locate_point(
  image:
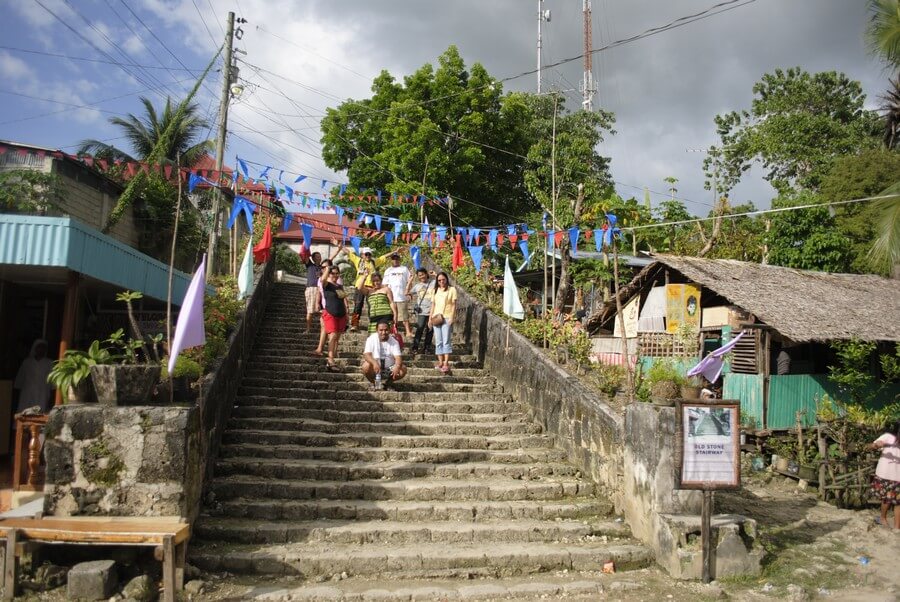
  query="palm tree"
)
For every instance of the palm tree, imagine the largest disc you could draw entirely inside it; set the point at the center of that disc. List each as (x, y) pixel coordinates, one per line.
(890, 108)
(883, 34)
(883, 37)
(143, 134)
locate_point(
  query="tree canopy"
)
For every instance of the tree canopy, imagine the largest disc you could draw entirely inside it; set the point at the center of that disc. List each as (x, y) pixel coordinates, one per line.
(797, 125)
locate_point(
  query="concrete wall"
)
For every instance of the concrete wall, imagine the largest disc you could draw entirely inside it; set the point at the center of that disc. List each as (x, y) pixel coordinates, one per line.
(584, 425)
(122, 461)
(88, 196)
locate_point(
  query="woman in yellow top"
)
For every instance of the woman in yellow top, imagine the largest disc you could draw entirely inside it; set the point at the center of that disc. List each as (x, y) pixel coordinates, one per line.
(365, 267)
(443, 308)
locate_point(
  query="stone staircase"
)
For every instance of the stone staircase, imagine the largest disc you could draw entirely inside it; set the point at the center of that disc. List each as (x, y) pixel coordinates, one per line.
(445, 478)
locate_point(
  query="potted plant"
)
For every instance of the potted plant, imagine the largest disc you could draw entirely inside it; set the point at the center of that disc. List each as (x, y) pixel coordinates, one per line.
(187, 371)
(131, 380)
(663, 382)
(70, 373)
(691, 388)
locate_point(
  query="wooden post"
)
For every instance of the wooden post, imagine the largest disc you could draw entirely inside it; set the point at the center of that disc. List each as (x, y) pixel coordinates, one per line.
(70, 309)
(823, 458)
(168, 563)
(705, 535)
(9, 568)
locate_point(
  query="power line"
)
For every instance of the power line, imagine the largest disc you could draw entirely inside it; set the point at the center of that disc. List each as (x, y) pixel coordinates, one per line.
(90, 60)
(205, 26)
(761, 212)
(313, 52)
(89, 105)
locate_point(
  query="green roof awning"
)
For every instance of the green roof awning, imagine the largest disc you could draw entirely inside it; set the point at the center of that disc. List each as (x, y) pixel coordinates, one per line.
(65, 243)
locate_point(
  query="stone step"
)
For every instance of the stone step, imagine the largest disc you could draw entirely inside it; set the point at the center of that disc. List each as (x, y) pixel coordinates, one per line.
(311, 560)
(489, 429)
(387, 532)
(340, 387)
(585, 508)
(387, 401)
(350, 371)
(301, 378)
(316, 439)
(350, 361)
(496, 489)
(324, 470)
(350, 416)
(432, 455)
(570, 585)
(292, 356)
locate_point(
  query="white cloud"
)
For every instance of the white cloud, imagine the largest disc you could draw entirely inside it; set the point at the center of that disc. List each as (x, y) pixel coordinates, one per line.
(14, 68)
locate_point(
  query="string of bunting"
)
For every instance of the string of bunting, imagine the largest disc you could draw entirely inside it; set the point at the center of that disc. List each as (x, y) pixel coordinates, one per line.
(244, 186)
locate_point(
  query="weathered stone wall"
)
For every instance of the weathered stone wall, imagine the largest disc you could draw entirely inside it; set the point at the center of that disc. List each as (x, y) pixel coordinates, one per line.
(649, 461)
(147, 460)
(584, 425)
(122, 461)
(219, 389)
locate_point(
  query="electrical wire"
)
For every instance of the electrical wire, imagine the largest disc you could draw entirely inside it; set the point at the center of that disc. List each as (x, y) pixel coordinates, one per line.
(90, 60)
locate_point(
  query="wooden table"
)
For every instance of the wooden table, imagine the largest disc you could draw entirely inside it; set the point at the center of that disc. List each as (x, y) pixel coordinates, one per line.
(168, 536)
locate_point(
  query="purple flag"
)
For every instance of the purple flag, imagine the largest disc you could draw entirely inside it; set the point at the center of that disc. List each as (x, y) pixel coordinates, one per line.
(190, 330)
(711, 366)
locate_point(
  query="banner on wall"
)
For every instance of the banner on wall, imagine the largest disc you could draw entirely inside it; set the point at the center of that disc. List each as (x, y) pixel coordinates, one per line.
(682, 306)
(630, 315)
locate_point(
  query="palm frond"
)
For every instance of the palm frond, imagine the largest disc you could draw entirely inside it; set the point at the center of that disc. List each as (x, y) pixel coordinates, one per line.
(883, 33)
(102, 150)
(885, 252)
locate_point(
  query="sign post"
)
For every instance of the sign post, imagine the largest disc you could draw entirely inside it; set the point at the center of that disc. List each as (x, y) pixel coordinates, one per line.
(709, 447)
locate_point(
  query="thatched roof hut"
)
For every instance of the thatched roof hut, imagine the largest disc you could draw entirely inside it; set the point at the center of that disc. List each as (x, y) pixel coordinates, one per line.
(802, 305)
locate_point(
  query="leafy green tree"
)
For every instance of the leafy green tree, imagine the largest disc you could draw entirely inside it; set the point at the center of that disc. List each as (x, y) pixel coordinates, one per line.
(806, 238)
(29, 191)
(861, 175)
(798, 123)
(890, 112)
(434, 134)
(144, 133)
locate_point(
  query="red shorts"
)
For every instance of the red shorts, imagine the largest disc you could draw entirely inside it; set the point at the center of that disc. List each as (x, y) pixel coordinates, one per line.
(334, 323)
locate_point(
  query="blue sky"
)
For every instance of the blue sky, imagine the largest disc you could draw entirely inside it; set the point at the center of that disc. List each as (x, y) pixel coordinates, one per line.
(665, 90)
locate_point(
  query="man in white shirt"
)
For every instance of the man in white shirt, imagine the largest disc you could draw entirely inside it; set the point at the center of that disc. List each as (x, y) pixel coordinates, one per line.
(382, 354)
(397, 278)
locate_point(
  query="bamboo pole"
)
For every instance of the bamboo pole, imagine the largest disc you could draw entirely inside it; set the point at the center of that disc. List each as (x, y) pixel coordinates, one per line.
(172, 273)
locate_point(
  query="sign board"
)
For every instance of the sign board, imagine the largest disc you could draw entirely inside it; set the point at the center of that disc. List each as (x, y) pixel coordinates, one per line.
(682, 306)
(630, 314)
(709, 439)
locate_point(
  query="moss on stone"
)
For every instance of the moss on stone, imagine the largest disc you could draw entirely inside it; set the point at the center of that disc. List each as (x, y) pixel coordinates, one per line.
(100, 465)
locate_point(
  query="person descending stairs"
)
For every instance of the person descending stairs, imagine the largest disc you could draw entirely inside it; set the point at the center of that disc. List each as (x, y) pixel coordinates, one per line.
(445, 478)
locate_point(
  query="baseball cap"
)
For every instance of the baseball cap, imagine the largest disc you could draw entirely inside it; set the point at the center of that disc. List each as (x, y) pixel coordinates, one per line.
(395, 256)
(365, 250)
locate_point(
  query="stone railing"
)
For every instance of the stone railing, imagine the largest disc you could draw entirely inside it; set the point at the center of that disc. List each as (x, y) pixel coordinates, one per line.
(631, 457)
(585, 426)
(219, 389)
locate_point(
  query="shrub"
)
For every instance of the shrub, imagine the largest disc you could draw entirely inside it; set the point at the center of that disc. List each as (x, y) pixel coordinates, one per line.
(287, 260)
(220, 313)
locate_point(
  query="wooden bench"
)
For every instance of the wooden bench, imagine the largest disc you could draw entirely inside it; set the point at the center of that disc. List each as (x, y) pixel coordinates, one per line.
(168, 536)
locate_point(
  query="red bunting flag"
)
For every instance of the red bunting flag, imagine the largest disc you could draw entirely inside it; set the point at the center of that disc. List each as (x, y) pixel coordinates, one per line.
(587, 234)
(500, 240)
(263, 248)
(512, 240)
(558, 237)
(458, 257)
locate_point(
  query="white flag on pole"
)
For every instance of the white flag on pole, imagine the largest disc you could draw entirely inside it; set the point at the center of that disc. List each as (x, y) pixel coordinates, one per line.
(512, 305)
(190, 330)
(245, 275)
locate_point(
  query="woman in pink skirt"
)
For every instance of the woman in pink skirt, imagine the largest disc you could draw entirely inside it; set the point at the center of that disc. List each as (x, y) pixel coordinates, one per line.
(886, 484)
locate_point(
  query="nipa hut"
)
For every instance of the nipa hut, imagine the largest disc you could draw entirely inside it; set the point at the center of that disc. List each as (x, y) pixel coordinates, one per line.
(680, 308)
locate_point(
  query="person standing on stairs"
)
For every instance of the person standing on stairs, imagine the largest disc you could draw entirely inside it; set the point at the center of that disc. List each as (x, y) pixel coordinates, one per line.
(380, 300)
(398, 278)
(421, 294)
(334, 315)
(443, 308)
(313, 273)
(365, 266)
(382, 356)
(326, 268)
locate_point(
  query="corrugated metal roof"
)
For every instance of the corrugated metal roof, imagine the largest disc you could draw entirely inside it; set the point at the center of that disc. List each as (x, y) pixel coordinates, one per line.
(66, 243)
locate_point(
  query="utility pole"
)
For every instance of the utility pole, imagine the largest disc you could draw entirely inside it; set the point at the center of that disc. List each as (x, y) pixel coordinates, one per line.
(587, 83)
(220, 143)
(543, 15)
